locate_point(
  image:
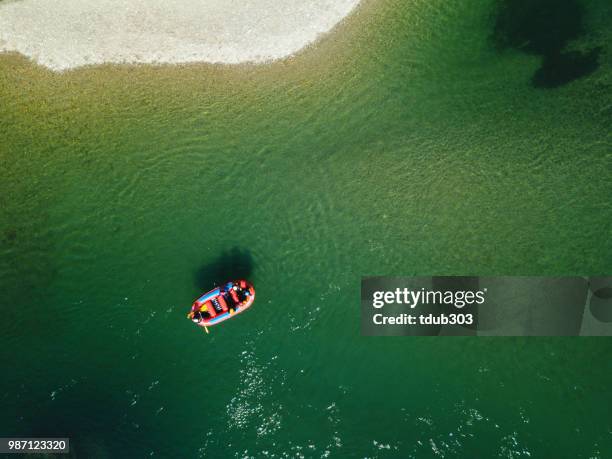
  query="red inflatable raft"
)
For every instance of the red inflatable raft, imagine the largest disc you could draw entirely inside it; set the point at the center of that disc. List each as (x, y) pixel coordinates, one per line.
(222, 303)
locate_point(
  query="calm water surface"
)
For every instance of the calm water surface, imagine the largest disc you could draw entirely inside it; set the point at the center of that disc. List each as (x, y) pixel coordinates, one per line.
(419, 138)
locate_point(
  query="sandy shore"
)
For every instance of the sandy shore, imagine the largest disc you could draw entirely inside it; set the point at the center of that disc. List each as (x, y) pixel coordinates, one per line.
(65, 34)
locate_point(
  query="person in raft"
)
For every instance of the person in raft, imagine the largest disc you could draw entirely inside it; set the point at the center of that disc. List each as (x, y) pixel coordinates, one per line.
(242, 293)
(196, 316)
(232, 296)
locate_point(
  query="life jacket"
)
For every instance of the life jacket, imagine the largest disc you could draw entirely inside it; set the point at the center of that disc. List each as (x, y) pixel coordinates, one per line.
(222, 302)
(210, 308)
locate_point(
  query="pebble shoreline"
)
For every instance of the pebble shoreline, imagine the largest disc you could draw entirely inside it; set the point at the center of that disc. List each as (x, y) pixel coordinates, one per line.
(65, 34)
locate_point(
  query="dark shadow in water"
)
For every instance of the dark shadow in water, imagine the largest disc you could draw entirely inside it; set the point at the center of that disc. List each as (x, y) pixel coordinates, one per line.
(544, 28)
(559, 69)
(236, 263)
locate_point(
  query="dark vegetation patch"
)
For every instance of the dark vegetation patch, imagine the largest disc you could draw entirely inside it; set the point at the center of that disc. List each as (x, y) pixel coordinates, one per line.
(545, 28)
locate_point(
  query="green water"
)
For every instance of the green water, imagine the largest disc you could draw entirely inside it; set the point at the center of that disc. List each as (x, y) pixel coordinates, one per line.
(404, 143)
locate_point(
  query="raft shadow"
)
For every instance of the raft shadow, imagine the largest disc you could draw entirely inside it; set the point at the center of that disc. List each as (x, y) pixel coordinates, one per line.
(545, 28)
(236, 263)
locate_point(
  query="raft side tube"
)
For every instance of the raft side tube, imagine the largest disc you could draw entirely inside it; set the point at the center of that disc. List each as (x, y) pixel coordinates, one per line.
(208, 296)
